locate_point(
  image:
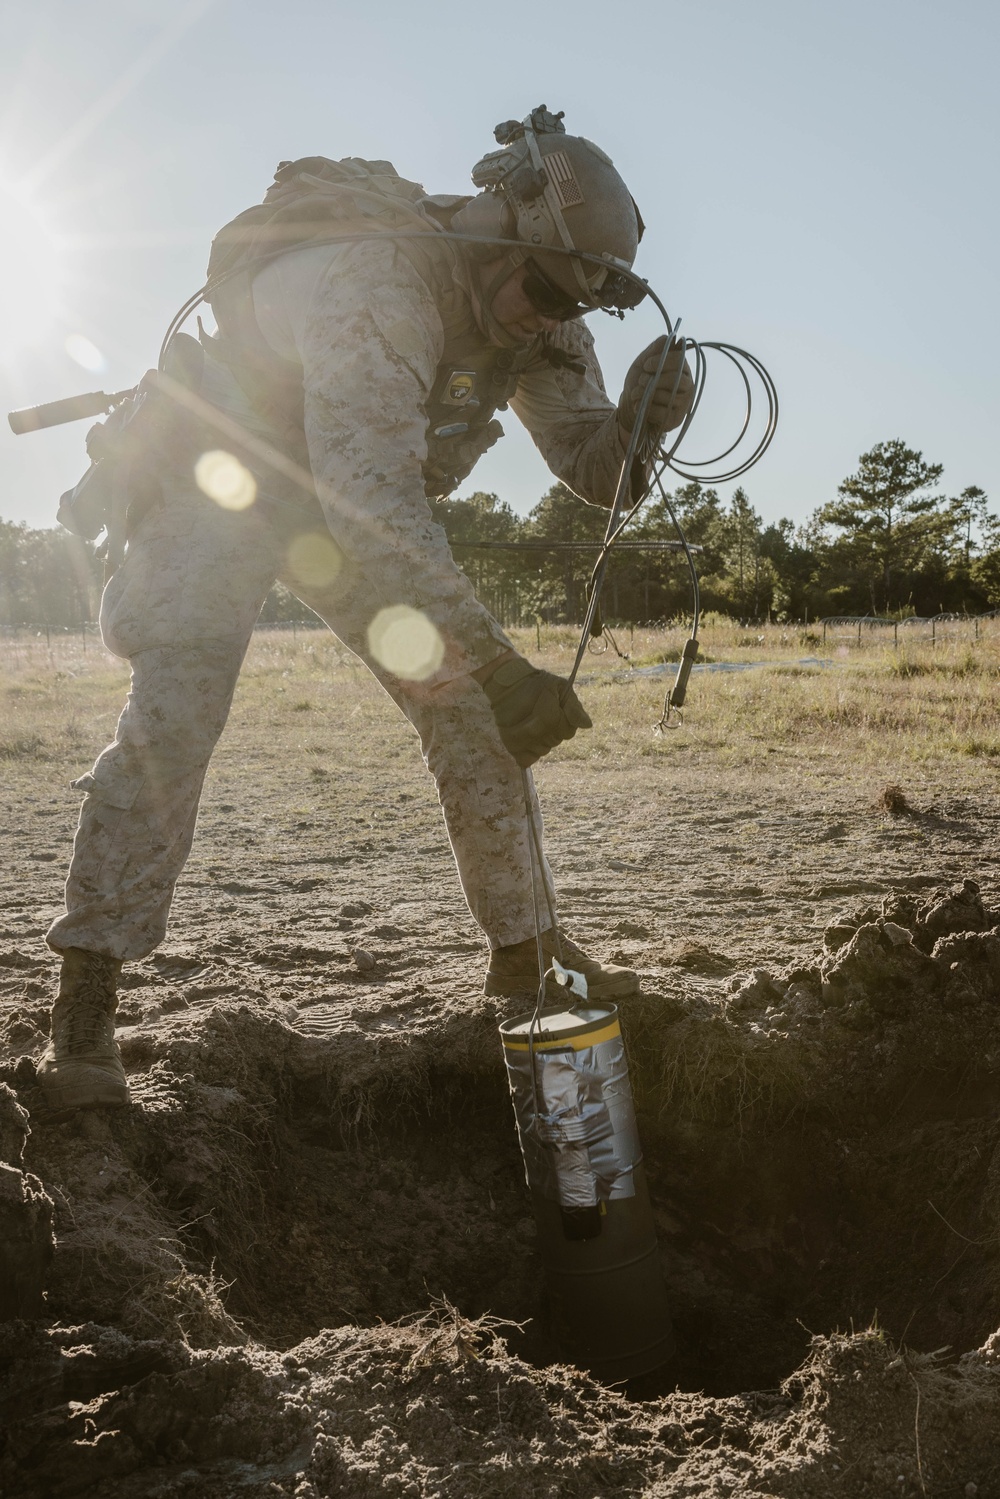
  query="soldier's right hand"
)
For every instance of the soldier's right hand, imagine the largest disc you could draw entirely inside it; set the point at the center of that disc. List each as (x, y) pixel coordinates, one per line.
(535, 710)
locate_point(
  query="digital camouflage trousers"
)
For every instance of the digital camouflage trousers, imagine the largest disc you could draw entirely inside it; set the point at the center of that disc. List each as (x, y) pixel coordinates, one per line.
(181, 609)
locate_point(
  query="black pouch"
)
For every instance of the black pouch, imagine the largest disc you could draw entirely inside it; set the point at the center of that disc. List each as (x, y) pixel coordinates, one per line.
(145, 430)
(88, 507)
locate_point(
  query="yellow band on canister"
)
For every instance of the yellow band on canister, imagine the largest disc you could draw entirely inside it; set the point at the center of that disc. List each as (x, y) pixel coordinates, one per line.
(579, 1042)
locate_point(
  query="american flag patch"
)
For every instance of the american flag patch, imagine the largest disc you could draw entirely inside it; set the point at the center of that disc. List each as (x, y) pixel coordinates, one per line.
(560, 174)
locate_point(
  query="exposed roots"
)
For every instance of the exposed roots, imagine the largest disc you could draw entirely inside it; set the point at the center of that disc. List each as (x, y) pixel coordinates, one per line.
(451, 1338)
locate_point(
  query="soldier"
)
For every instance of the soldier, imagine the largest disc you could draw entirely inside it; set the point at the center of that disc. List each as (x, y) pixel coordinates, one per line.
(353, 382)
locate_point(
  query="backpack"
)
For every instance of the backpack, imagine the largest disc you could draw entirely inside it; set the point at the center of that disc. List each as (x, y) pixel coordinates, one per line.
(311, 200)
(314, 197)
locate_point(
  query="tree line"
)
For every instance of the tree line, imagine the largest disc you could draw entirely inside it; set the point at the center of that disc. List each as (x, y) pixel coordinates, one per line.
(891, 543)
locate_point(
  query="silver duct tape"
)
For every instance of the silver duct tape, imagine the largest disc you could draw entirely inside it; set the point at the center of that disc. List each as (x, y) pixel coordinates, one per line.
(584, 1145)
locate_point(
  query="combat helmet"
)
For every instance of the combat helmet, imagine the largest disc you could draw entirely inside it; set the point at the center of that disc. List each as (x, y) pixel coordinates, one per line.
(545, 188)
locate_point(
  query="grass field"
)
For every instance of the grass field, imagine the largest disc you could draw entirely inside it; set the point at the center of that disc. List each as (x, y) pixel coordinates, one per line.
(732, 828)
(918, 703)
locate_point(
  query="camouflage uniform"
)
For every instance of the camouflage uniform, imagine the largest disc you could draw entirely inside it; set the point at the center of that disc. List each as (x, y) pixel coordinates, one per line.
(183, 604)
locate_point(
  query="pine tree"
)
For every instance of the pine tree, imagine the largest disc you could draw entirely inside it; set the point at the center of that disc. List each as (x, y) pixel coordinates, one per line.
(891, 525)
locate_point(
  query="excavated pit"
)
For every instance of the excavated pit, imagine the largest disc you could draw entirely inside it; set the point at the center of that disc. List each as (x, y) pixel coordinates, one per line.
(820, 1148)
(768, 1233)
(821, 1145)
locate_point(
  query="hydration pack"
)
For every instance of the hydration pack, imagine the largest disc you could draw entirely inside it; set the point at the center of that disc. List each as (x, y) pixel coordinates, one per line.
(313, 198)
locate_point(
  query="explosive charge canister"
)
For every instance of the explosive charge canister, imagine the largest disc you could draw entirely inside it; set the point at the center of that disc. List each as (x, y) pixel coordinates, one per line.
(575, 1117)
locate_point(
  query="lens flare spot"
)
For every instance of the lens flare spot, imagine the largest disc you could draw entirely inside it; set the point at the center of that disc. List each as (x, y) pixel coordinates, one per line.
(225, 480)
(314, 559)
(86, 354)
(406, 643)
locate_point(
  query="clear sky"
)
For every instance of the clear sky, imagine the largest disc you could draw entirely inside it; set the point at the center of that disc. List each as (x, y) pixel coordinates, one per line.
(819, 183)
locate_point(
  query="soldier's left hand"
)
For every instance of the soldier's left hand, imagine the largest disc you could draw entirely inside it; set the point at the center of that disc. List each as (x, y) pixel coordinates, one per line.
(672, 397)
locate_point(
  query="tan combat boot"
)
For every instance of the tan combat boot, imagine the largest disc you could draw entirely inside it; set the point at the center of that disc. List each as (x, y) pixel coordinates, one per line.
(81, 1067)
(514, 970)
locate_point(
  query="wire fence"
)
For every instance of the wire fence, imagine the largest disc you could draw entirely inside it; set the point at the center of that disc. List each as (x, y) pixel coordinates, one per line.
(871, 629)
(80, 646)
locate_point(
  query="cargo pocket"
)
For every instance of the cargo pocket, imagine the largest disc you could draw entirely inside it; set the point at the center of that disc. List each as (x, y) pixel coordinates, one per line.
(113, 780)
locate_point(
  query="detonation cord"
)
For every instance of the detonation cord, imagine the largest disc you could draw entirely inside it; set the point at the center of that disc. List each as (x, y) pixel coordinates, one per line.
(608, 643)
(535, 856)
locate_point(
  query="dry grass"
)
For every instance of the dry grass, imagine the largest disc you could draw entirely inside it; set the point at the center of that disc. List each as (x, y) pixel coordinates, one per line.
(877, 705)
(702, 1067)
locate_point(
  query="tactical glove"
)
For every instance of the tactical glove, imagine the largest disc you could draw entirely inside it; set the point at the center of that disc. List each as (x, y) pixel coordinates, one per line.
(535, 710)
(668, 408)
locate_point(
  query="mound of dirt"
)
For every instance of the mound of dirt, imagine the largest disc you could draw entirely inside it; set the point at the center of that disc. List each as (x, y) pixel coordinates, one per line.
(303, 1262)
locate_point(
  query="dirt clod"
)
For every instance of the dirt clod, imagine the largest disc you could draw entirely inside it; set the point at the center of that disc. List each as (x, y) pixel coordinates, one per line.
(892, 799)
(696, 957)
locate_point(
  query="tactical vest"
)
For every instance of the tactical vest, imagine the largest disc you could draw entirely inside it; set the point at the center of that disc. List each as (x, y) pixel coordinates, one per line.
(313, 199)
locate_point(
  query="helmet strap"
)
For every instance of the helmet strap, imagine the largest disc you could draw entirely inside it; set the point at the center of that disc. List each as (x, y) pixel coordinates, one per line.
(494, 331)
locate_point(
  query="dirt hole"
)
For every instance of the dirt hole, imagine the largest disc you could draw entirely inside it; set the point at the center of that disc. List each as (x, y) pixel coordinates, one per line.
(767, 1236)
(821, 1146)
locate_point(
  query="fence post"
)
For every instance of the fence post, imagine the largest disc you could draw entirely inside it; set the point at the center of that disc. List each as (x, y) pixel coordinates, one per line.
(933, 631)
(859, 632)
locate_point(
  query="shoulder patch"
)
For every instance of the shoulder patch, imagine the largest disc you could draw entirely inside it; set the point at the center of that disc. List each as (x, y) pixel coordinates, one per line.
(459, 387)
